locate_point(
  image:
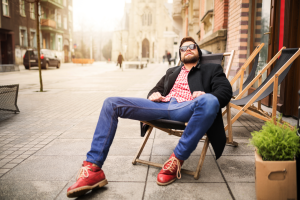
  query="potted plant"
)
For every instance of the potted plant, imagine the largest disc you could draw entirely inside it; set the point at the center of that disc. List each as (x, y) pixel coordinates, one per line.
(276, 145)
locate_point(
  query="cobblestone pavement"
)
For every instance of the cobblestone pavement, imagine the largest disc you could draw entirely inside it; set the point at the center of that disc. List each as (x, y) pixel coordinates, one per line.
(42, 147)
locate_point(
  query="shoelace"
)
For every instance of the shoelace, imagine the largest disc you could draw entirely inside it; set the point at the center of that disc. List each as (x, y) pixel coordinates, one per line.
(173, 165)
(83, 172)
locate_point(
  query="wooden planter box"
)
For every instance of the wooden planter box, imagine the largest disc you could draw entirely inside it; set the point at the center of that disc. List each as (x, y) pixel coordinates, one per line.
(275, 179)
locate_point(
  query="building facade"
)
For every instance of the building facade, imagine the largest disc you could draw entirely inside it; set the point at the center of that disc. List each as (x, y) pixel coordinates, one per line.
(144, 32)
(241, 25)
(18, 29)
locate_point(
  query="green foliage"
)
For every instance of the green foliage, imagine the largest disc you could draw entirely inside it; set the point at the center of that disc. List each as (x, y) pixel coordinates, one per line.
(276, 142)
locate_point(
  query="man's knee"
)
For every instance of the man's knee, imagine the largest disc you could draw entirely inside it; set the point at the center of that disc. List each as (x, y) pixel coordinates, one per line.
(110, 102)
(210, 103)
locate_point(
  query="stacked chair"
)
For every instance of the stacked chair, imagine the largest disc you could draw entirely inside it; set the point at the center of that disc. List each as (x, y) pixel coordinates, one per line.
(241, 72)
(285, 58)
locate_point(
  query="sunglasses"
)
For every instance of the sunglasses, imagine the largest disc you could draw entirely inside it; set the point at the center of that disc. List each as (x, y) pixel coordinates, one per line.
(191, 46)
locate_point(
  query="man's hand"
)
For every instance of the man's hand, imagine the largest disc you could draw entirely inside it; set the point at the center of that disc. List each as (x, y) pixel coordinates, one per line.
(197, 94)
(156, 96)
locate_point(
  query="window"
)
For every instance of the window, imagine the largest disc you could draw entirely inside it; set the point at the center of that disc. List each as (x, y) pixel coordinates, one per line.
(59, 20)
(147, 19)
(22, 8)
(23, 37)
(32, 12)
(5, 7)
(59, 43)
(65, 23)
(70, 16)
(33, 39)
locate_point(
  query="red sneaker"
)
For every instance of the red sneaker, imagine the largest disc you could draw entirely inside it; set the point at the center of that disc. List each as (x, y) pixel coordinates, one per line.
(88, 178)
(170, 171)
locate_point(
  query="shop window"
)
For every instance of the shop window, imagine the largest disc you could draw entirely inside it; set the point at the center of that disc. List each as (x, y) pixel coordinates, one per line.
(22, 8)
(5, 7)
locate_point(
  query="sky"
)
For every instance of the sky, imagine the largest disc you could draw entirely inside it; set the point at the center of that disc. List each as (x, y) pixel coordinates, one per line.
(94, 15)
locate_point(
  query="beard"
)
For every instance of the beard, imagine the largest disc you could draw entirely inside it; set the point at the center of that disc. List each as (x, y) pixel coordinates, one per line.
(191, 59)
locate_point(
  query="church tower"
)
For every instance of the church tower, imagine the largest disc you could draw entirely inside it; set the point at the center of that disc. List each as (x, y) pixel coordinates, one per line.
(147, 22)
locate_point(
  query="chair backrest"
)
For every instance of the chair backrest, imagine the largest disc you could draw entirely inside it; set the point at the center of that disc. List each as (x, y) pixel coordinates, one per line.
(285, 56)
(251, 75)
(212, 58)
(216, 58)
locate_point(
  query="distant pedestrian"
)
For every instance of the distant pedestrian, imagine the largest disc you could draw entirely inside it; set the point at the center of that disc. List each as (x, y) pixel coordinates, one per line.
(169, 57)
(164, 58)
(120, 60)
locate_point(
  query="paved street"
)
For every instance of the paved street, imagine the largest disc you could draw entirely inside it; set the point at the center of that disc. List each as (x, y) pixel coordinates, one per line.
(42, 147)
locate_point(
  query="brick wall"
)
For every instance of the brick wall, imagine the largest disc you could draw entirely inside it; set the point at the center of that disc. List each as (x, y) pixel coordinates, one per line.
(221, 15)
(237, 32)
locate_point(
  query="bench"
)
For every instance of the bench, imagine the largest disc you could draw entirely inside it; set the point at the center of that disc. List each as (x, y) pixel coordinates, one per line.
(83, 61)
(138, 64)
(8, 98)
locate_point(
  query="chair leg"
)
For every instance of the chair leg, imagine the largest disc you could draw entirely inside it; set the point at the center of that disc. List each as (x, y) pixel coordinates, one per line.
(201, 160)
(143, 145)
(224, 112)
(230, 137)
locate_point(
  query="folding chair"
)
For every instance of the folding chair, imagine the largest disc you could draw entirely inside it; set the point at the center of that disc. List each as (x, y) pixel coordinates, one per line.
(176, 128)
(271, 83)
(254, 55)
(241, 72)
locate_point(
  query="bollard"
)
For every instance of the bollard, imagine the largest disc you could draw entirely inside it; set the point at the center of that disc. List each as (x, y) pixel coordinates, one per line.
(298, 157)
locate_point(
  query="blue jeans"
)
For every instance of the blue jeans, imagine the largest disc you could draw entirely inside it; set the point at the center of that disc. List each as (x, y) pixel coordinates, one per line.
(200, 114)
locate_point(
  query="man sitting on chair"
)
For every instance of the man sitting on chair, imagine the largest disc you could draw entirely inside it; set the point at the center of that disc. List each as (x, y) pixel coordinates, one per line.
(190, 93)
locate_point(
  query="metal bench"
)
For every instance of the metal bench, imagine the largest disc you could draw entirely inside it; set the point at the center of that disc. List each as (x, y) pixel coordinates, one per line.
(8, 98)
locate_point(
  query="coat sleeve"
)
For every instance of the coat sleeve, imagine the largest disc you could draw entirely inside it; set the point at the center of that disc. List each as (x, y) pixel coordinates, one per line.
(221, 87)
(159, 87)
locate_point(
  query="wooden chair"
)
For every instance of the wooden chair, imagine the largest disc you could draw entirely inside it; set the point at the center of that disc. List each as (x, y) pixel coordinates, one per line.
(176, 128)
(254, 56)
(271, 83)
(241, 72)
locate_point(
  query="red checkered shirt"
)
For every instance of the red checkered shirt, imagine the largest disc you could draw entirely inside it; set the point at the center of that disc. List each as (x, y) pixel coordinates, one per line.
(181, 90)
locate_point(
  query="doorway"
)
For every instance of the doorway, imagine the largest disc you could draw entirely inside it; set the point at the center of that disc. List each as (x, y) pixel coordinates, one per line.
(145, 48)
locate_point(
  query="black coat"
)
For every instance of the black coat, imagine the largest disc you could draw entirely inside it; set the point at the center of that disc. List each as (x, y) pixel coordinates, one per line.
(209, 78)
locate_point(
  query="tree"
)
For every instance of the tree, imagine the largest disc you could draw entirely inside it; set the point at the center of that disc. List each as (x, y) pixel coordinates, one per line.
(37, 18)
(106, 50)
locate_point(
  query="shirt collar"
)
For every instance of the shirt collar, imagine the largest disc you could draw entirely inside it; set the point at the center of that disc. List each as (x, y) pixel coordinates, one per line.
(183, 68)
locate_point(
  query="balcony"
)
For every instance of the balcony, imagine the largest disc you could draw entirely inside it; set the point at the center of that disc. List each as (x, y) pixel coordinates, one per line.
(49, 25)
(55, 4)
(177, 10)
(48, 22)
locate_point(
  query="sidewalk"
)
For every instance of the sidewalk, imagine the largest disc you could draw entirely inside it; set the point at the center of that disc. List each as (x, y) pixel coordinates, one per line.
(42, 147)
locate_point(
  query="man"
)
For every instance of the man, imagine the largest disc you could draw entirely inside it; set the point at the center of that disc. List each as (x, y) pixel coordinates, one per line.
(190, 93)
(169, 57)
(120, 60)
